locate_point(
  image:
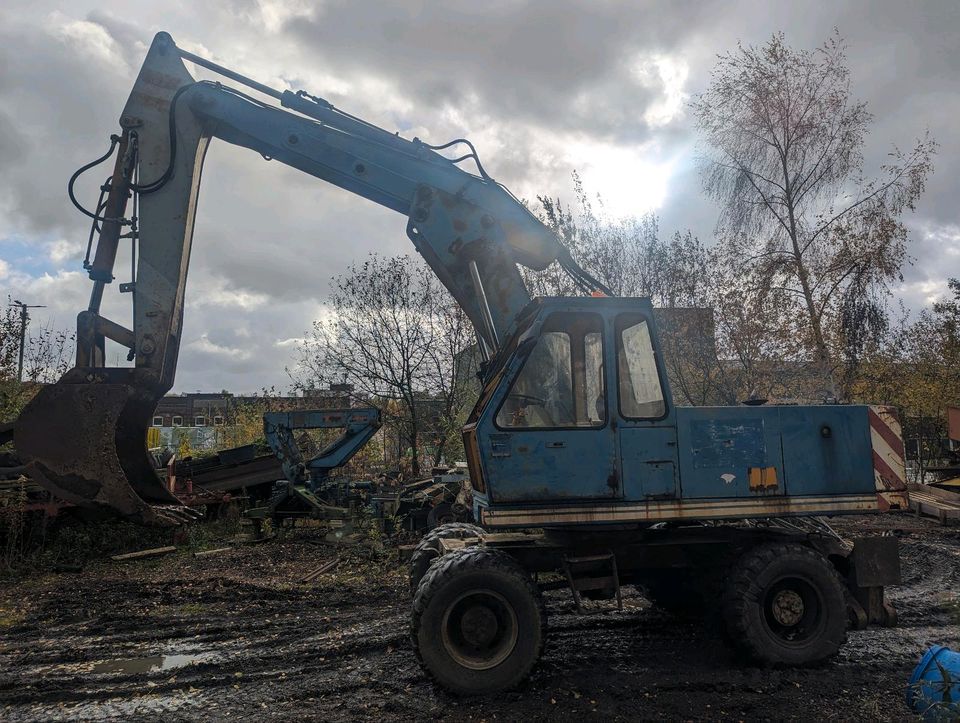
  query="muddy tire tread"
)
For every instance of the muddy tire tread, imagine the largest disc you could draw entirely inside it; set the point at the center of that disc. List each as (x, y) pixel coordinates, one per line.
(427, 550)
(740, 588)
(470, 560)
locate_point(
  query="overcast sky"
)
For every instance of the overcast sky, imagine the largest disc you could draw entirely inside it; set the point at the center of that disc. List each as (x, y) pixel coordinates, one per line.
(542, 88)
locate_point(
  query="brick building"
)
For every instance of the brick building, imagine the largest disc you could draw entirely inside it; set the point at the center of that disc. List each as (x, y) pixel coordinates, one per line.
(199, 416)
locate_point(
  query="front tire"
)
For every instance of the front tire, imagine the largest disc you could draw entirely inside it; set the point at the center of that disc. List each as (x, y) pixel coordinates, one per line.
(428, 549)
(784, 604)
(478, 623)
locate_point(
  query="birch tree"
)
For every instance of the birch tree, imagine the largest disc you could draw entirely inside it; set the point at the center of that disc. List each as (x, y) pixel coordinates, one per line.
(782, 154)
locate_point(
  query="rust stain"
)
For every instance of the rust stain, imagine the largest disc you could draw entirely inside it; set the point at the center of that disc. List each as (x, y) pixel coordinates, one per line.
(161, 80)
(152, 101)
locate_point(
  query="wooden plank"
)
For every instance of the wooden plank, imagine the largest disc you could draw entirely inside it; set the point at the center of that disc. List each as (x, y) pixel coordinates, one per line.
(208, 553)
(934, 500)
(932, 507)
(153, 552)
(952, 498)
(325, 567)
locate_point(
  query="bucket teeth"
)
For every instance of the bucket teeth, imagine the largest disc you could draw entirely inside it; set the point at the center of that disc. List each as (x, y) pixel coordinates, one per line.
(176, 514)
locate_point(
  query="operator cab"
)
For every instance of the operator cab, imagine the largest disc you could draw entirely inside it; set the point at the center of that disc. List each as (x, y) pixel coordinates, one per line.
(549, 425)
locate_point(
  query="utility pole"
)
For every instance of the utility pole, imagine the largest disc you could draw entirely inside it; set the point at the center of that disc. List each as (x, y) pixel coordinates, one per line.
(24, 317)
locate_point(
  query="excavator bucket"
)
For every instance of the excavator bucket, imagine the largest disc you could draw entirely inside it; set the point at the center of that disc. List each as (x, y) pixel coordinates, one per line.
(86, 443)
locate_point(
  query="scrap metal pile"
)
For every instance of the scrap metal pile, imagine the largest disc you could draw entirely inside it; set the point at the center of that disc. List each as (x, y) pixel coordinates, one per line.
(290, 482)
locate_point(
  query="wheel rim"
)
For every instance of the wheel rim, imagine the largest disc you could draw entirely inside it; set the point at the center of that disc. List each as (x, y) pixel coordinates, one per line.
(479, 629)
(793, 611)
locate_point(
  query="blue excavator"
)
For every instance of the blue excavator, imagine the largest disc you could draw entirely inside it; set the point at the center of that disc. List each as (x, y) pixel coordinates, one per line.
(584, 472)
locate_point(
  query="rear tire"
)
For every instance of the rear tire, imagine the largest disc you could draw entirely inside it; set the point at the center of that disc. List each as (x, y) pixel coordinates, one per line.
(428, 549)
(478, 624)
(785, 604)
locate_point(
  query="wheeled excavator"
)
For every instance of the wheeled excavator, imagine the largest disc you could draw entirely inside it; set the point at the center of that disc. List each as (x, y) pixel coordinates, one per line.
(585, 474)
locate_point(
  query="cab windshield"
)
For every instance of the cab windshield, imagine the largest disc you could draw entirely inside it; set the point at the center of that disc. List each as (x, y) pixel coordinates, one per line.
(561, 383)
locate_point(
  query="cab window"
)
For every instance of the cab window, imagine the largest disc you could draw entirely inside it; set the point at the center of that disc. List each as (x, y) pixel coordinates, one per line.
(641, 395)
(561, 383)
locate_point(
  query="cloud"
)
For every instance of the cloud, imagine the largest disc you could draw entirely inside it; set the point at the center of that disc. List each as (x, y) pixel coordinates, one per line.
(89, 40)
(227, 354)
(62, 250)
(540, 88)
(562, 64)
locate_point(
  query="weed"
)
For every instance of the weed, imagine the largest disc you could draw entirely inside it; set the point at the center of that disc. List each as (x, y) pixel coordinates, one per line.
(10, 617)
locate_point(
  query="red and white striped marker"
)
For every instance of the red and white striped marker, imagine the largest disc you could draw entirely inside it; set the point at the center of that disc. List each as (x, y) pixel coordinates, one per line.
(889, 460)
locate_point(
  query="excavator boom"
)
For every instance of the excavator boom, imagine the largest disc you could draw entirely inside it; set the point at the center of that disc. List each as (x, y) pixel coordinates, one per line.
(84, 437)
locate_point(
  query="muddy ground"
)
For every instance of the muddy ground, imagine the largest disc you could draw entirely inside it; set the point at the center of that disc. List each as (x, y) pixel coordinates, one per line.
(236, 636)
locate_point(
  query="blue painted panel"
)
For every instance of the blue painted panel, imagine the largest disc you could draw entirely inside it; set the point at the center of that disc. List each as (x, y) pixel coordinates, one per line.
(827, 450)
(648, 460)
(724, 443)
(718, 446)
(714, 449)
(560, 464)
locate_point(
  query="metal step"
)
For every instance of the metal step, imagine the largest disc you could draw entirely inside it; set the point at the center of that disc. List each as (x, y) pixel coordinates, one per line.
(587, 573)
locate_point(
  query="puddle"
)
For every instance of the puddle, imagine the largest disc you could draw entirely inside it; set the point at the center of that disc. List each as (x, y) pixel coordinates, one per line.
(135, 666)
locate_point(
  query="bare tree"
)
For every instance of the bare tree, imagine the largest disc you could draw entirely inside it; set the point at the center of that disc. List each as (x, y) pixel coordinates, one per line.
(679, 275)
(48, 354)
(915, 368)
(396, 336)
(451, 372)
(782, 154)
(624, 253)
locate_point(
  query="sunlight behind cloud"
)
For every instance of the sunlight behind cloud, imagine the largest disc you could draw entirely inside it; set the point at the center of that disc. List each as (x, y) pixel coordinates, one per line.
(671, 74)
(628, 182)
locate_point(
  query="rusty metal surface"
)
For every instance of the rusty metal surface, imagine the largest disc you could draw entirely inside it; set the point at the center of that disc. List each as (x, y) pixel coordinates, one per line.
(85, 442)
(953, 423)
(876, 561)
(234, 476)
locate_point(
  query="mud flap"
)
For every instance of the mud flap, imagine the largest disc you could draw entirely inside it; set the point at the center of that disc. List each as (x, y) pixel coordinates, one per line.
(874, 563)
(85, 442)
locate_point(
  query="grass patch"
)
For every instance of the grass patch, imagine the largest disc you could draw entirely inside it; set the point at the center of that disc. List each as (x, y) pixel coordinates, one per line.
(190, 609)
(34, 546)
(11, 617)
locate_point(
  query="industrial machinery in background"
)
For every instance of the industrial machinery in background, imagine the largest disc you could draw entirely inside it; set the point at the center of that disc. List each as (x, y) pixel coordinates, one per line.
(295, 481)
(575, 434)
(306, 490)
(947, 476)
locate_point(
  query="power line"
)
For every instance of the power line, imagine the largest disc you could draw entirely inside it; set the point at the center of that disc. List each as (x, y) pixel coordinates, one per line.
(24, 318)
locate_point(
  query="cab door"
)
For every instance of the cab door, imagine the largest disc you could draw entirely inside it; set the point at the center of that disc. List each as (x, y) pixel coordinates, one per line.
(551, 437)
(647, 430)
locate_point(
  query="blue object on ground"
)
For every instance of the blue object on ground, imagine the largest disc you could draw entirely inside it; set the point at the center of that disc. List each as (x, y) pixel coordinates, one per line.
(934, 689)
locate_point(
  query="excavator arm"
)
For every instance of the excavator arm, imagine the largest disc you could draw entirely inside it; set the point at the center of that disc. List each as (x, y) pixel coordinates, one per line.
(84, 437)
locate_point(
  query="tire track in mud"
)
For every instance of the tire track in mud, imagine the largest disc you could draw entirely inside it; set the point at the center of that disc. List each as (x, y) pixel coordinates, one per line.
(338, 650)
